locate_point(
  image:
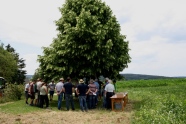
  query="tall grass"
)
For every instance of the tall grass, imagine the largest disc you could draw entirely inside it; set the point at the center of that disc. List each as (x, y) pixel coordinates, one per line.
(157, 101)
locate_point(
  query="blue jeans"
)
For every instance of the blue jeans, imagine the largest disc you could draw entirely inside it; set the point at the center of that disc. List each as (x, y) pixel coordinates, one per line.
(92, 101)
(60, 97)
(104, 102)
(69, 100)
(96, 99)
(83, 103)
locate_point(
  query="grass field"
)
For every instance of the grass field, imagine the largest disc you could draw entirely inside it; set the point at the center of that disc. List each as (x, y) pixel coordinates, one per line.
(157, 101)
(150, 102)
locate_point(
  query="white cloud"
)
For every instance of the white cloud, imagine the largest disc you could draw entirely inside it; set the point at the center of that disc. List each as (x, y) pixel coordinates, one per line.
(155, 31)
(30, 22)
(31, 63)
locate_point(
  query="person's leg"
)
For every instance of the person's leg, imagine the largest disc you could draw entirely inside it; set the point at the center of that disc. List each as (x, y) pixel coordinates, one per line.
(93, 101)
(59, 101)
(81, 103)
(90, 101)
(64, 96)
(41, 101)
(67, 98)
(38, 101)
(84, 103)
(72, 102)
(108, 100)
(46, 100)
(26, 97)
(52, 95)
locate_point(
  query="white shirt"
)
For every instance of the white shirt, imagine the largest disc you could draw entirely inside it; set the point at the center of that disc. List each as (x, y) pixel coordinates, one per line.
(39, 85)
(59, 86)
(43, 90)
(52, 86)
(27, 86)
(109, 87)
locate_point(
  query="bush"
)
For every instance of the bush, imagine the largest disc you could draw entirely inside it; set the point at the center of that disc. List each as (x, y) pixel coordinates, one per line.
(13, 91)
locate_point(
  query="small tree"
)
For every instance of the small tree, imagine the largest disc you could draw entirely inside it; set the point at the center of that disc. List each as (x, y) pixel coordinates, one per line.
(88, 43)
(8, 65)
(19, 75)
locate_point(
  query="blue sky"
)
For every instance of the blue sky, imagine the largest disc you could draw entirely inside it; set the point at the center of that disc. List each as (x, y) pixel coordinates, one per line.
(155, 29)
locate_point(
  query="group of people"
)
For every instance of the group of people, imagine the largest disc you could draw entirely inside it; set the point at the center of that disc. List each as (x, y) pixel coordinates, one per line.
(88, 93)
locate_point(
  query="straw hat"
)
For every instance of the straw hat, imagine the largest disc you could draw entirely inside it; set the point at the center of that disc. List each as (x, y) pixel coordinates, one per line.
(81, 81)
(61, 79)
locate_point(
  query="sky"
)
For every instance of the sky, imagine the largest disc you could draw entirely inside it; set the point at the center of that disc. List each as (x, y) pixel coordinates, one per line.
(155, 30)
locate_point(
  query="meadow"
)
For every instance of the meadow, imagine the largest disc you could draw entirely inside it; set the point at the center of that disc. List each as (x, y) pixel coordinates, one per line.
(157, 101)
(150, 102)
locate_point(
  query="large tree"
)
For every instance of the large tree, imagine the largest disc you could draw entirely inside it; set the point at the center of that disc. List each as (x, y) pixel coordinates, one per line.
(88, 43)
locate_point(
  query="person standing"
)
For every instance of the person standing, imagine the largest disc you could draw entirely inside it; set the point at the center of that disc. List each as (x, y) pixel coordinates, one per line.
(97, 93)
(32, 93)
(82, 91)
(59, 90)
(69, 89)
(100, 90)
(103, 92)
(92, 94)
(44, 95)
(109, 92)
(26, 92)
(52, 89)
(39, 83)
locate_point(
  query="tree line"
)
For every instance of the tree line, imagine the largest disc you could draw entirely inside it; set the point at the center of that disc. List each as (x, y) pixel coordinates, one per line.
(11, 65)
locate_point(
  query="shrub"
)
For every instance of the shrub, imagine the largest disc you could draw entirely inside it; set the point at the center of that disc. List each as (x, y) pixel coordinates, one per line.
(13, 91)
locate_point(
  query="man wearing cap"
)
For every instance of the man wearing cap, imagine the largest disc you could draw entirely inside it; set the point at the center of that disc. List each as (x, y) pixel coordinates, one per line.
(59, 90)
(69, 89)
(82, 91)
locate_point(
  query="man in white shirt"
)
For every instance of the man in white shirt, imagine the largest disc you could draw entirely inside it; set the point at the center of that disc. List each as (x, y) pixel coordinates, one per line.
(59, 90)
(26, 92)
(109, 92)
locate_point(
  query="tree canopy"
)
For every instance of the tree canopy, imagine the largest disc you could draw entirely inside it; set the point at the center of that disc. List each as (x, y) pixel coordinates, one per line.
(19, 75)
(88, 42)
(11, 65)
(7, 64)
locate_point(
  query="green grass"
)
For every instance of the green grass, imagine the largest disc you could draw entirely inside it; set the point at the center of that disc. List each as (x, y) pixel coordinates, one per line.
(19, 107)
(157, 101)
(154, 101)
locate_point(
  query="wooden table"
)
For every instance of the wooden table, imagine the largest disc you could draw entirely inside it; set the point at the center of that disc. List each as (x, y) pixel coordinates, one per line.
(121, 98)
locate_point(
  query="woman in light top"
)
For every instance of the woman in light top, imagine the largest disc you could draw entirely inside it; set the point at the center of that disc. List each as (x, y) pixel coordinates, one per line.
(44, 95)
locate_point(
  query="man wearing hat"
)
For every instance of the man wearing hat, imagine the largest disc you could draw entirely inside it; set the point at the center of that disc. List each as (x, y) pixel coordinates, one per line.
(82, 91)
(59, 91)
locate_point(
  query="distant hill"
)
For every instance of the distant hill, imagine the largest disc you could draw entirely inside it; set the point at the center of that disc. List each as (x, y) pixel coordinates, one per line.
(132, 77)
(29, 76)
(142, 76)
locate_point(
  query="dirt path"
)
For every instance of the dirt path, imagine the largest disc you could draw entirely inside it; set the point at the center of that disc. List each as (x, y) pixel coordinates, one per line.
(69, 117)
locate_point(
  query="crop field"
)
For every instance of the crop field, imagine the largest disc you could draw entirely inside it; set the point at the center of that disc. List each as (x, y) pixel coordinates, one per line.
(157, 101)
(150, 102)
